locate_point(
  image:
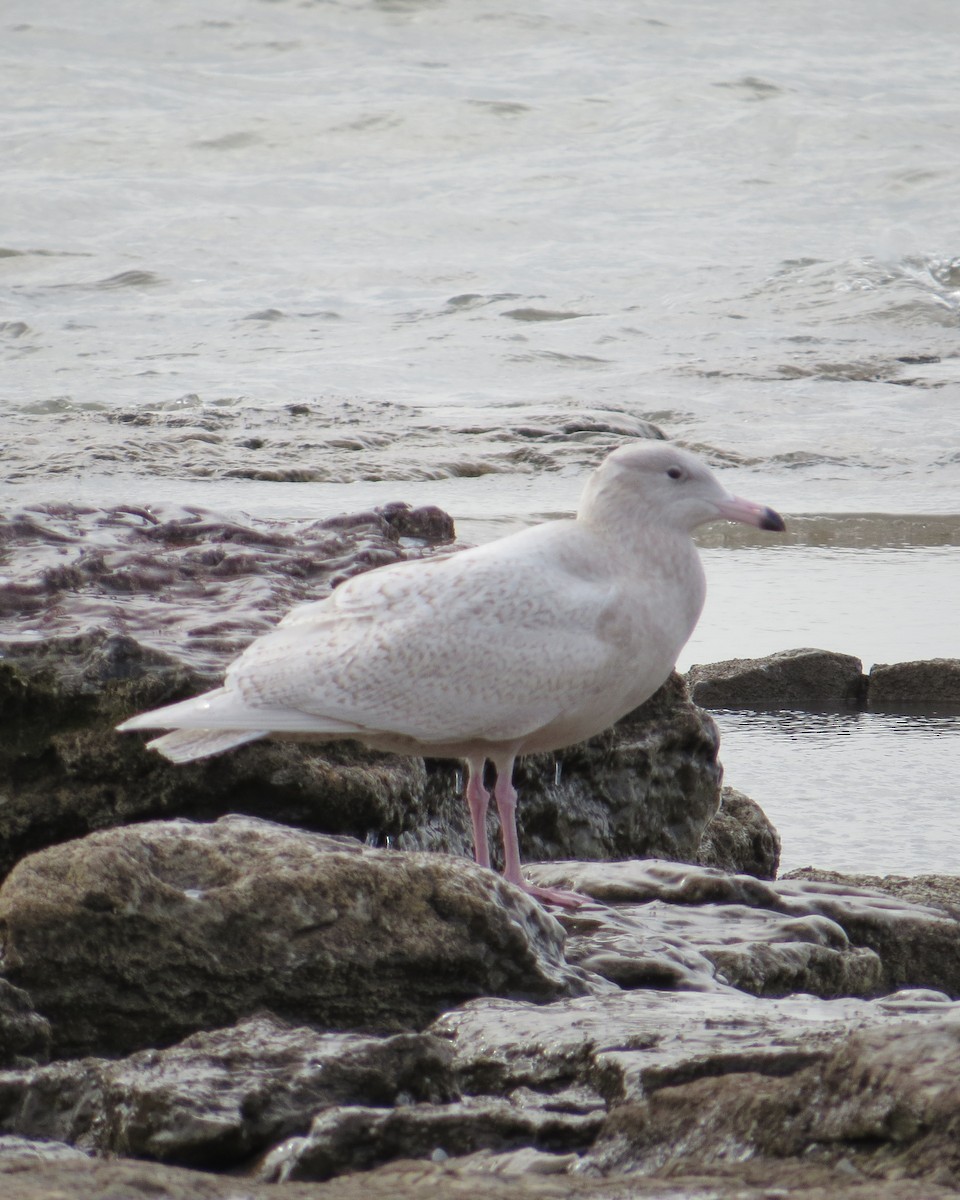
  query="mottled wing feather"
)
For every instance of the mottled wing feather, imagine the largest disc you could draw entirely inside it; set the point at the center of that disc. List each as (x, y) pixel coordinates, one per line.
(437, 651)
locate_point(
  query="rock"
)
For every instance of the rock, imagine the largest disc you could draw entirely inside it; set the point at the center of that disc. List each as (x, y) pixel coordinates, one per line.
(930, 891)
(918, 944)
(826, 938)
(885, 1103)
(740, 839)
(112, 611)
(931, 686)
(624, 1046)
(65, 772)
(458, 1179)
(790, 679)
(24, 1034)
(22, 1153)
(736, 940)
(185, 581)
(556, 1068)
(357, 1138)
(912, 922)
(218, 1098)
(639, 946)
(36, 1177)
(136, 937)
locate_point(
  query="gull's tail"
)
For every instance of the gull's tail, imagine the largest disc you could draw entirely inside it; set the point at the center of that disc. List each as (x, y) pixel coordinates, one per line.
(184, 745)
(220, 720)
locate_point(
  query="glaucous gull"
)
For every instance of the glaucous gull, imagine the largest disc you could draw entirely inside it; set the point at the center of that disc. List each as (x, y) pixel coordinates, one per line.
(526, 644)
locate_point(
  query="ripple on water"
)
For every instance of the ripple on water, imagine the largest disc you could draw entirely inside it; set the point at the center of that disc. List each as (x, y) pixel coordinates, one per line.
(852, 792)
(912, 290)
(189, 438)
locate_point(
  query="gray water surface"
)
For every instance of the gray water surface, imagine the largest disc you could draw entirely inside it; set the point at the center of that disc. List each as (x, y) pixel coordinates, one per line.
(859, 792)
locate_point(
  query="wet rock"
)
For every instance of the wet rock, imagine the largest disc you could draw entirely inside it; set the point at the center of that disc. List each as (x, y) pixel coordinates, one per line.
(790, 679)
(930, 686)
(740, 839)
(759, 952)
(65, 772)
(624, 1046)
(22, 1153)
(912, 923)
(476, 1177)
(639, 946)
(884, 1103)
(470, 1178)
(826, 938)
(24, 1034)
(666, 942)
(555, 1067)
(136, 937)
(188, 582)
(218, 1098)
(358, 1138)
(930, 891)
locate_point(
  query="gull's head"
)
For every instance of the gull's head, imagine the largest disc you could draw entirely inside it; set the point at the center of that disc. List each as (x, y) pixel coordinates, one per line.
(662, 485)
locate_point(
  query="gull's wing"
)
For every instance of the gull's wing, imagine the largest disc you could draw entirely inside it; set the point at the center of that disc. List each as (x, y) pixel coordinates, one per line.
(489, 643)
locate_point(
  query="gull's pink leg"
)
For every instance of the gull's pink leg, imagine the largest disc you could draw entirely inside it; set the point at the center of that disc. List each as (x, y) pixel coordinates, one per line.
(478, 798)
(505, 795)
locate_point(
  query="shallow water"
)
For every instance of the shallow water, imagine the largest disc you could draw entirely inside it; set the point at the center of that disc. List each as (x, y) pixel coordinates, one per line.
(291, 259)
(873, 792)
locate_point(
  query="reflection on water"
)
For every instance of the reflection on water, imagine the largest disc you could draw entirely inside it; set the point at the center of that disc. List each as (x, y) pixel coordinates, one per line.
(862, 792)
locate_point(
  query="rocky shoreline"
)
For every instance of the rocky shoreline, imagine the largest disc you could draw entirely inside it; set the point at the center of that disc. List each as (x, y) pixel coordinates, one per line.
(276, 974)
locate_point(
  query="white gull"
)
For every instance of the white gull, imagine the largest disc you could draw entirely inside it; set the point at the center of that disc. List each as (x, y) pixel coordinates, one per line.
(526, 644)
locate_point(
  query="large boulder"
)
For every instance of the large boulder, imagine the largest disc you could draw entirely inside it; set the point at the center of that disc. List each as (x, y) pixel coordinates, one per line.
(65, 771)
(929, 686)
(138, 936)
(789, 679)
(885, 1103)
(218, 1098)
(740, 838)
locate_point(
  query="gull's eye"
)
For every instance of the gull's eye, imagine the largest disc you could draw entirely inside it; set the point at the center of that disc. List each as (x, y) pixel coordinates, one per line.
(675, 472)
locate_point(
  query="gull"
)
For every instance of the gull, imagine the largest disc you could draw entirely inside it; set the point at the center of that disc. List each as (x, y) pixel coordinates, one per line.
(523, 645)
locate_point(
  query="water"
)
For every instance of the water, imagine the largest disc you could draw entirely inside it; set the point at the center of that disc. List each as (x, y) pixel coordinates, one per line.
(289, 259)
(847, 793)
